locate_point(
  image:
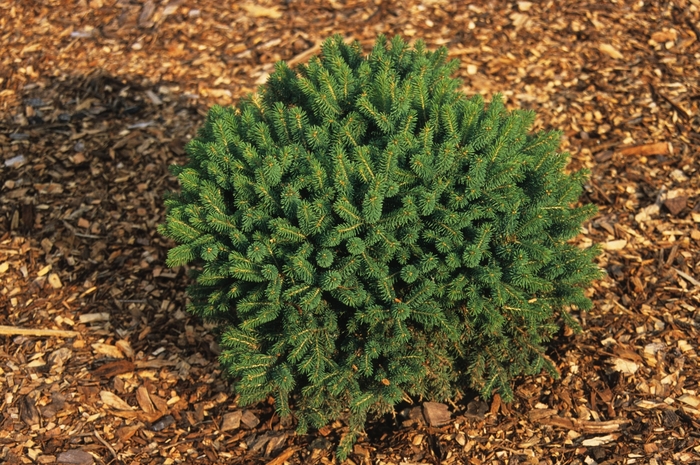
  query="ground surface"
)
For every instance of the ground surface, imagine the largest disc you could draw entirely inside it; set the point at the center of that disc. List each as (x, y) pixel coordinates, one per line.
(98, 97)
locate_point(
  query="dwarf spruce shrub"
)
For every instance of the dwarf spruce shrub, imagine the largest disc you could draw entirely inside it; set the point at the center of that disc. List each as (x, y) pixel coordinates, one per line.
(364, 233)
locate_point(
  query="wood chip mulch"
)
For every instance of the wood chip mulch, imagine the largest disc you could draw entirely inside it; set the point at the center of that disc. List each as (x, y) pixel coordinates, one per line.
(99, 363)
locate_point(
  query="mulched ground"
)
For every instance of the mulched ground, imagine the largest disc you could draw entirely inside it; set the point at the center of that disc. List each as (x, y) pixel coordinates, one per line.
(99, 363)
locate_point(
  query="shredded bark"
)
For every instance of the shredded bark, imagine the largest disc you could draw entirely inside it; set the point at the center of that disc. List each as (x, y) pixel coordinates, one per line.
(100, 363)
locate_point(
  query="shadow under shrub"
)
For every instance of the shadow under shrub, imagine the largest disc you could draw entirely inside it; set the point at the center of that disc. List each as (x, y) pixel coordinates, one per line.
(365, 233)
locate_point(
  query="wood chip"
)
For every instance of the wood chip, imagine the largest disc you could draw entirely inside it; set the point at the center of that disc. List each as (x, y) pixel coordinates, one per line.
(658, 148)
(283, 457)
(676, 204)
(417, 439)
(146, 13)
(44, 270)
(618, 244)
(664, 36)
(495, 404)
(28, 411)
(261, 11)
(114, 401)
(154, 97)
(687, 277)
(55, 281)
(94, 317)
(125, 348)
(436, 414)
(56, 405)
(249, 419)
(276, 442)
(611, 51)
(144, 400)
(159, 403)
(598, 441)
(108, 350)
(258, 442)
(650, 448)
(127, 432)
(624, 366)
(111, 369)
(75, 457)
(156, 363)
(60, 356)
(231, 421)
(537, 414)
(689, 399)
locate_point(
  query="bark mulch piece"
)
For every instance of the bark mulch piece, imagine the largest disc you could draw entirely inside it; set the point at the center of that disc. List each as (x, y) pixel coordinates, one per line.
(99, 363)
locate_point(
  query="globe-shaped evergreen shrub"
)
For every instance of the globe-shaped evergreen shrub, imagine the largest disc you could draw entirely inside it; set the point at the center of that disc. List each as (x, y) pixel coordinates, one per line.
(364, 233)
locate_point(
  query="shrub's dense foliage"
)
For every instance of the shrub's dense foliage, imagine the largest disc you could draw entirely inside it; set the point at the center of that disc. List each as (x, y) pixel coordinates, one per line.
(365, 233)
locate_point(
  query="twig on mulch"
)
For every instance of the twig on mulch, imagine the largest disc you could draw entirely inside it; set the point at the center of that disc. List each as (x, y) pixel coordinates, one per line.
(38, 332)
(687, 277)
(282, 458)
(107, 445)
(655, 92)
